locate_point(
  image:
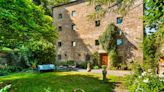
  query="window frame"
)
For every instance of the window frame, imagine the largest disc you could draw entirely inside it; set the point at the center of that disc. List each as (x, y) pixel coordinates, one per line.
(97, 23)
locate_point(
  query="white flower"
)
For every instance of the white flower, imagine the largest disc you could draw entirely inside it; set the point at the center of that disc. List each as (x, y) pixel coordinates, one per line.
(149, 70)
(139, 77)
(146, 80)
(161, 75)
(143, 74)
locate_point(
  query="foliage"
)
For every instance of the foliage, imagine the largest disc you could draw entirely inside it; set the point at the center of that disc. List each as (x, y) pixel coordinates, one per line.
(113, 58)
(95, 67)
(26, 31)
(154, 13)
(96, 59)
(150, 51)
(108, 38)
(146, 81)
(108, 41)
(48, 4)
(6, 88)
(119, 6)
(9, 69)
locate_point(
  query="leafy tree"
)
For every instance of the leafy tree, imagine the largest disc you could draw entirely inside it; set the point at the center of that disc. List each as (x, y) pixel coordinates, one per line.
(24, 27)
(108, 42)
(153, 18)
(47, 4)
(119, 6)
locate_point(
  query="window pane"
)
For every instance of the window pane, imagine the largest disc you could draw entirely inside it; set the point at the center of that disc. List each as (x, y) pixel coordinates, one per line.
(96, 42)
(119, 20)
(73, 43)
(119, 41)
(59, 44)
(74, 27)
(60, 16)
(73, 13)
(60, 28)
(97, 23)
(59, 57)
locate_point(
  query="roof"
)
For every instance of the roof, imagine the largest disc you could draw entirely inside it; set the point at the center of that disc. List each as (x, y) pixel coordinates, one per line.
(61, 4)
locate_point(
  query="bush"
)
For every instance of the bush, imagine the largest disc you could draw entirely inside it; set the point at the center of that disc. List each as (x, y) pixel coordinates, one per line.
(82, 65)
(71, 62)
(146, 81)
(96, 67)
(5, 88)
(9, 69)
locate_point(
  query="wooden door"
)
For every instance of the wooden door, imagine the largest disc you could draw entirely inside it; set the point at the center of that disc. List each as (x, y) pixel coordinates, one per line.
(104, 59)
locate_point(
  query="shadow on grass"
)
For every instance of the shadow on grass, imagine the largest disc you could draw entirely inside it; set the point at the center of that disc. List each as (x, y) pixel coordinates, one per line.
(60, 82)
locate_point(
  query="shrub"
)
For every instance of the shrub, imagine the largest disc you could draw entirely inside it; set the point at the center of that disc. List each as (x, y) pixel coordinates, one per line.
(71, 62)
(96, 67)
(146, 81)
(5, 88)
(82, 65)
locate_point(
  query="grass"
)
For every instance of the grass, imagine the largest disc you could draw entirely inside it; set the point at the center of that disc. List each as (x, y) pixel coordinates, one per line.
(59, 82)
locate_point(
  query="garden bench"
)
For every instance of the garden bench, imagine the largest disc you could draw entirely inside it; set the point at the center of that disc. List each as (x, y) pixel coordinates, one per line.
(46, 67)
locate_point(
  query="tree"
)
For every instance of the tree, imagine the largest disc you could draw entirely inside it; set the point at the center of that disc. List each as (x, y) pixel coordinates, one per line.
(119, 6)
(47, 4)
(153, 18)
(108, 42)
(24, 25)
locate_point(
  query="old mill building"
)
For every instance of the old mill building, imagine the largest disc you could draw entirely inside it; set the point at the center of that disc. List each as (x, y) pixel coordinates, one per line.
(78, 36)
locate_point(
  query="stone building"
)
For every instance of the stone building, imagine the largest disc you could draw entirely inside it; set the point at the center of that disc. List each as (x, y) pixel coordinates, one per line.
(78, 37)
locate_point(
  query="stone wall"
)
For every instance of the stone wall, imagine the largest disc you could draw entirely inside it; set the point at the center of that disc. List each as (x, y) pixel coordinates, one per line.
(86, 33)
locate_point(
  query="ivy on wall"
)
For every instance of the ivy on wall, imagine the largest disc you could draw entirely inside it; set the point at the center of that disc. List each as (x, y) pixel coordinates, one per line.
(108, 40)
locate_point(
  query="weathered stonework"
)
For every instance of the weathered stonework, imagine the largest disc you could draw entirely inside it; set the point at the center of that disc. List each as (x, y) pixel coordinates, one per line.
(86, 32)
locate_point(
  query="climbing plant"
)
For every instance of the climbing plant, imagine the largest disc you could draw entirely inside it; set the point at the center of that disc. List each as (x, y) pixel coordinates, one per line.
(108, 41)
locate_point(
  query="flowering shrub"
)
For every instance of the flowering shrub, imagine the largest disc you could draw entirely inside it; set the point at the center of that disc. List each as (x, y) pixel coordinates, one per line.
(5, 89)
(146, 81)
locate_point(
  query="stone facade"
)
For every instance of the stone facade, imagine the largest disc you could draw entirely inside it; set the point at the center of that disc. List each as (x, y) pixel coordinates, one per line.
(78, 44)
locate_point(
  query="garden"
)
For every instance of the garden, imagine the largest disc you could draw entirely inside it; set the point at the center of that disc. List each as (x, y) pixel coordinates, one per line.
(27, 39)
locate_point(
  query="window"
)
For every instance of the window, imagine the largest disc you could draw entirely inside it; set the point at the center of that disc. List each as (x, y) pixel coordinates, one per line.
(97, 23)
(73, 43)
(120, 32)
(96, 42)
(60, 16)
(88, 57)
(59, 57)
(74, 27)
(60, 28)
(98, 8)
(119, 20)
(73, 13)
(59, 44)
(119, 42)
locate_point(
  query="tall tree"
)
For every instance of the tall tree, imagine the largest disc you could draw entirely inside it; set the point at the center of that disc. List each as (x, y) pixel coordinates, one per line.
(25, 25)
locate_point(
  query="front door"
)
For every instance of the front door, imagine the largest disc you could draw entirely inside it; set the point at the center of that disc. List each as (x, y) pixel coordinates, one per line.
(104, 59)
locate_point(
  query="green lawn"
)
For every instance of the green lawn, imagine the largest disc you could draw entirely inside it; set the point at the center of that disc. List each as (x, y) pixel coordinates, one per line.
(59, 82)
